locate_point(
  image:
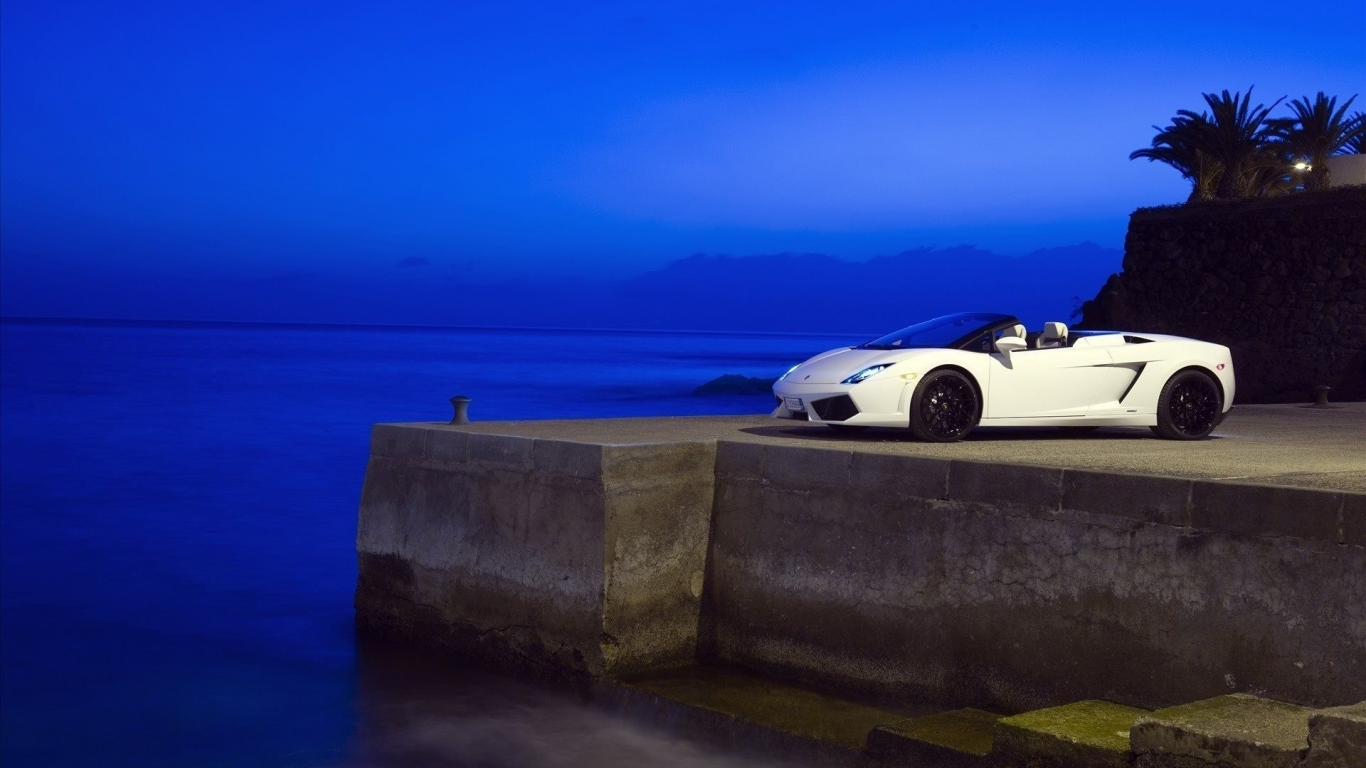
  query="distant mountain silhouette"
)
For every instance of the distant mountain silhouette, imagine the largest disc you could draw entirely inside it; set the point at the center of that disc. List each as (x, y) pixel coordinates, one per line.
(814, 292)
(792, 292)
(798, 292)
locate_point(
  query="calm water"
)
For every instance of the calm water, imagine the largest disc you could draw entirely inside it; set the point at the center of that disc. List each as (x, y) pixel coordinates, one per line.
(177, 521)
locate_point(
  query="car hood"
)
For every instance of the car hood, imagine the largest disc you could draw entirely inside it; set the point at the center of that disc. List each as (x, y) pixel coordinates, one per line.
(837, 365)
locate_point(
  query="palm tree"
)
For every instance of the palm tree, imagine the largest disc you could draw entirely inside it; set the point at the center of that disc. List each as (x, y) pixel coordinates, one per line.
(1318, 130)
(1272, 177)
(1236, 135)
(1178, 145)
(1225, 152)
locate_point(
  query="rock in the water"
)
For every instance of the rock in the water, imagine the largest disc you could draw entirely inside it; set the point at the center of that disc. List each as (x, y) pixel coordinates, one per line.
(1337, 737)
(1234, 730)
(735, 384)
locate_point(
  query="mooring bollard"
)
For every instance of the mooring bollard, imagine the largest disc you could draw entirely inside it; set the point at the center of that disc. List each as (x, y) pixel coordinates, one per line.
(462, 409)
(1321, 395)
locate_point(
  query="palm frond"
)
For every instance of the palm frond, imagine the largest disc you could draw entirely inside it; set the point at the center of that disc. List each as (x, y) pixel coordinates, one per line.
(1355, 143)
(1180, 146)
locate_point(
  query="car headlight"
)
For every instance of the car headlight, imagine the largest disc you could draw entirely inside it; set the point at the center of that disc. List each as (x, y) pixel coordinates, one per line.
(789, 370)
(866, 372)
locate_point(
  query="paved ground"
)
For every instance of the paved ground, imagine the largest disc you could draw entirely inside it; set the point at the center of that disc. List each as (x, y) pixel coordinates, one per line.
(1274, 444)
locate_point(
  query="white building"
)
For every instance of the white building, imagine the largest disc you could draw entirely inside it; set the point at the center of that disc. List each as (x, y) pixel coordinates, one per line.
(1346, 169)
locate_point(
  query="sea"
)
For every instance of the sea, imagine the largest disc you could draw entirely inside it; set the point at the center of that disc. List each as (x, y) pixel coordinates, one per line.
(177, 538)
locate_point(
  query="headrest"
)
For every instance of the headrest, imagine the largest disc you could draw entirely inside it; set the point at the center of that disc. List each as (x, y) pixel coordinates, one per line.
(1054, 331)
(1017, 330)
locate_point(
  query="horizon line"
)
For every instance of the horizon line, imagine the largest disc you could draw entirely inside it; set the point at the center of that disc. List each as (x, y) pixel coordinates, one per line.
(334, 326)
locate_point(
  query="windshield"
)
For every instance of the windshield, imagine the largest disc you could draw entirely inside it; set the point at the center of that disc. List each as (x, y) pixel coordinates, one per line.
(944, 332)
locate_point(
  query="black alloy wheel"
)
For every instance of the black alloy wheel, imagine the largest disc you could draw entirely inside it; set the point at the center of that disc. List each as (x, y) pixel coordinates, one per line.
(944, 407)
(1188, 407)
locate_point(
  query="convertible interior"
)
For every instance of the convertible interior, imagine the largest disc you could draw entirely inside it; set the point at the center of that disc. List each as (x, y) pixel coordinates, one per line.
(1055, 335)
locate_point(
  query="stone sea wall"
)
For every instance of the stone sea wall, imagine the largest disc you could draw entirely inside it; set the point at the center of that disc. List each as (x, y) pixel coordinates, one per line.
(552, 556)
(994, 585)
(1281, 282)
(1016, 587)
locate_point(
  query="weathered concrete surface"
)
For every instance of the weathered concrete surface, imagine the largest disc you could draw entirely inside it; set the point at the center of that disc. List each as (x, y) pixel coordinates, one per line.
(1337, 738)
(567, 556)
(1268, 444)
(1083, 734)
(1236, 731)
(1013, 571)
(1016, 587)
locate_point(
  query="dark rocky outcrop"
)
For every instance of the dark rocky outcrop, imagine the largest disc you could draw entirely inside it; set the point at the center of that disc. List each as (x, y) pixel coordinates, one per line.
(735, 384)
(1281, 281)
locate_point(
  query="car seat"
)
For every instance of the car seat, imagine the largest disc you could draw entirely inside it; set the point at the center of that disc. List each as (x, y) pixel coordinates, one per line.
(1054, 335)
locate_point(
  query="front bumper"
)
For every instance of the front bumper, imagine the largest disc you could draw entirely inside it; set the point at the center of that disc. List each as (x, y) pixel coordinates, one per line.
(869, 403)
(836, 408)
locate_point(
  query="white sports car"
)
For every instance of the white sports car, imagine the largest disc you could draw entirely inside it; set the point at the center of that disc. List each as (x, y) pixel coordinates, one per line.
(945, 376)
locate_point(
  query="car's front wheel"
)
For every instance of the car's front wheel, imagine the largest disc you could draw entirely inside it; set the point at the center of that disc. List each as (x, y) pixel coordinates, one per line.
(945, 407)
(1188, 407)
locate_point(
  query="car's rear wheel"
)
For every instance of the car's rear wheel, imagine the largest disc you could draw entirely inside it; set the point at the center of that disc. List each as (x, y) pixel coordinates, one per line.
(848, 429)
(945, 407)
(1188, 407)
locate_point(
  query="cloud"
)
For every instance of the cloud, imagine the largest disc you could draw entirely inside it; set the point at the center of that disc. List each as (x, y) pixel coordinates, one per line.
(415, 261)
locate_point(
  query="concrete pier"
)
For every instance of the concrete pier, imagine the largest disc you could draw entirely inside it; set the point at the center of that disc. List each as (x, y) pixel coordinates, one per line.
(1014, 571)
(566, 557)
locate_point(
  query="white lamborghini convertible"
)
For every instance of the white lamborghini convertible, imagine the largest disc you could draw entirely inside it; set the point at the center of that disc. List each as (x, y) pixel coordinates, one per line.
(945, 376)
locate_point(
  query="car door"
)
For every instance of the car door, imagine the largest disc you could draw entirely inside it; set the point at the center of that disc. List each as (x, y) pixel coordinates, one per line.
(1059, 381)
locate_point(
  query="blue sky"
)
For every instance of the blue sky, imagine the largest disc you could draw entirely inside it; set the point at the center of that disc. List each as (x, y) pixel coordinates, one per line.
(169, 142)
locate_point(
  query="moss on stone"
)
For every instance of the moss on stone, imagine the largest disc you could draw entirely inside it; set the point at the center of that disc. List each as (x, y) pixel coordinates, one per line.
(971, 731)
(1241, 715)
(1212, 729)
(777, 706)
(1084, 734)
(1092, 723)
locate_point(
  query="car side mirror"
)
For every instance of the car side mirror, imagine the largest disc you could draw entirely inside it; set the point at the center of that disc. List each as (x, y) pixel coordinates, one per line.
(1008, 344)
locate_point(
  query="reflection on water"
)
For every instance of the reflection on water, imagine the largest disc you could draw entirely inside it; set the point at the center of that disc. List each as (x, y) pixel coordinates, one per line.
(415, 712)
(177, 530)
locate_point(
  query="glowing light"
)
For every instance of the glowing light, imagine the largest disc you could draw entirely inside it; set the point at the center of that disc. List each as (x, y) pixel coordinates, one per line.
(866, 372)
(1303, 166)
